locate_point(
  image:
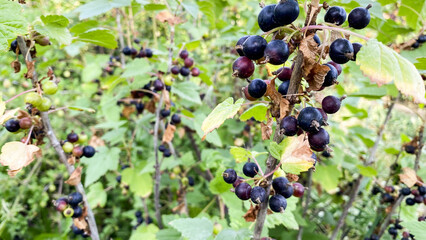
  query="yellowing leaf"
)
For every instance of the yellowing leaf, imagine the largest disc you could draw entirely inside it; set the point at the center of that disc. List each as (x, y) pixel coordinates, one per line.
(226, 109)
(17, 155)
(408, 177)
(383, 65)
(240, 154)
(296, 155)
(8, 114)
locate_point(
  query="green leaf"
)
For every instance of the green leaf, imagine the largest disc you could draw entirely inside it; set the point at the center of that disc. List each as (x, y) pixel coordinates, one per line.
(367, 171)
(327, 176)
(97, 196)
(145, 232)
(105, 159)
(392, 150)
(12, 23)
(187, 91)
(296, 155)
(101, 37)
(55, 26)
(421, 63)
(82, 109)
(257, 111)
(240, 154)
(370, 92)
(168, 234)
(230, 234)
(140, 184)
(383, 65)
(275, 149)
(82, 27)
(154, 7)
(191, 7)
(208, 8)
(418, 229)
(137, 67)
(412, 10)
(193, 228)
(97, 7)
(226, 109)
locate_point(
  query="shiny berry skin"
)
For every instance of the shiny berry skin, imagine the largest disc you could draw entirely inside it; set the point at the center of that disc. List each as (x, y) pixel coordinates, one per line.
(317, 39)
(310, 119)
(410, 149)
(257, 88)
(238, 181)
(279, 184)
(239, 45)
(50, 88)
(75, 198)
(277, 203)
(72, 137)
(175, 70)
(387, 198)
(195, 72)
(229, 175)
(243, 67)
(299, 189)
(247, 94)
(61, 204)
(331, 76)
(421, 39)
(118, 178)
(12, 125)
(335, 15)
(78, 211)
(77, 151)
(341, 51)
(158, 85)
(422, 190)
(139, 107)
(331, 104)
(127, 51)
(68, 212)
(393, 231)
(405, 191)
(287, 192)
(376, 190)
(184, 71)
(318, 141)
(191, 181)
(184, 54)
(164, 113)
(89, 151)
(250, 169)
(133, 52)
(148, 53)
(33, 98)
(141, 54)
(359, 17)
(284, 73)
(283, 88)
(254, 47)
(45, 105)
(68, 147)
(410, 201)
(277, 52)
(14, 46)
(286, 12)
(76, 230)
(167, 153)
(175, 119)
(258, 195)
(243, 191)
(289, 125)
(162, 148)
(356, 47)
(266, 20)
(337, 66)
(188, 62)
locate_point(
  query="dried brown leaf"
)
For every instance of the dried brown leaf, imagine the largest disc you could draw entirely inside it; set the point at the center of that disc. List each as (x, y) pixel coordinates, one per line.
(23, 114)
(166, 99)
(266, 128)
(292, 177)
(71, 160)
(166, 16)
(17, 155)
(127, 111)
(96, 141)
(16, 65)
(408, 177)
(75, 177)
(150, 106)
(30, 69)
(284, 108)
(251, 214)
(169, 133)
(80, 223)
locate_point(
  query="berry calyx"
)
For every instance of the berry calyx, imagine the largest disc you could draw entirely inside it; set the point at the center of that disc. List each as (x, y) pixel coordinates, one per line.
(277, 203)
(243, 191)
(254, 47)
(286, 12)
(359, 17)
(310, 119)
(12, 125)
(289, 126)
(243, 67)
(229, 175)
(341, 51)
(331, 104)
(250, 169)
(258, 195)
(257, 88)
(276, 52)
(89, 151)
(266, 20)
(335, 15)
(318, 141)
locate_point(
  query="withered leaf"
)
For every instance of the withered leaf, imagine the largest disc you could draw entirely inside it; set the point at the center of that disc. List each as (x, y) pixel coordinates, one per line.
(30, 69)
(166, 16)
(408, 177)
(169, 133)
(71, 160)
(166, 99)
(96, 141)
(150, 106)
(127, 111)
(297, 155)
(8, 115)
(251, 214)
(80, 223)
(17, 155)
(284, 108)
(23, 114)
(75, 177)
(266, 128)
(16, 65)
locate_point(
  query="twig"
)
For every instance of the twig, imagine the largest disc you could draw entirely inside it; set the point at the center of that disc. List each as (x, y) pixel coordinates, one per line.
(260, 169)
(57, 146)
(157, 165)
(307, 200)
(120, 37)
(20, 94)
(419, 148)
(389, 215)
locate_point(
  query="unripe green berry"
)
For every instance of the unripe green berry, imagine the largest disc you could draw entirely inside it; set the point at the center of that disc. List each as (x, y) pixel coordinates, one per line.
(68, 147)
(68, 212)
(45, 104)
(50, 88)
(33, 98)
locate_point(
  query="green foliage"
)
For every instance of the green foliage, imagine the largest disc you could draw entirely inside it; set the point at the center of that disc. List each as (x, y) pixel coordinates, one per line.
(12, 22)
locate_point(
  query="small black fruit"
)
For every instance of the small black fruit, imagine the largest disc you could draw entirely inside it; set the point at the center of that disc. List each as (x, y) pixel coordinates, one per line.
(359, 17)
(239, 45)
(276, 52)
(78, 211)
(254, 47)
(243, 191)
(164, 113)
(167, 153)
(289, 125)
(250, 169)
(357, 47)
(266, 20)
(184, 54)
(317, 39)
(243, 67)
(284, 73)
(72, 137)
(331, 76)
(257, 88)
(405, 191)
(12, 125)
(75, 198)
(286, 12)
(277, 203)
(229, 176)
(127, 51)
(258, 195)
(335, 15)
(175, 70)
(331, 104)
(283, 88)
(184, 71)
(318, 141)
(175, 119)
(158, 85)
(310, 119)
(89, 151)
(279, 184)
(341, 51)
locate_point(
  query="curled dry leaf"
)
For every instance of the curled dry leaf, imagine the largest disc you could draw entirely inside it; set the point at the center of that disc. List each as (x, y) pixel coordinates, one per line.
(8, 115)
(150, 106)
(17, 155)
(408, 177)
(75, 177)
(80, 223)
(30, 69)
(284, 108)
(169, 133)
(96, 141)
(127, 111)
(266, 128)
(166, 16)
(71, 160)
(16, 65)
(275, 96)
(166, 99)
(251, 214)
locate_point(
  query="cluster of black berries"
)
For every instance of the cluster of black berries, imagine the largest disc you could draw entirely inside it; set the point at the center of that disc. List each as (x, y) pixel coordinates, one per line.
(23, 124)
(244, 191)
(419, 41)
(166, 152)
(69, 206)
(387, 196)
(188, 66)
(14, 125)
(71, 145)
(140, 219)
(131, 51)
(393, 231)
(114, 62)
(139, 105)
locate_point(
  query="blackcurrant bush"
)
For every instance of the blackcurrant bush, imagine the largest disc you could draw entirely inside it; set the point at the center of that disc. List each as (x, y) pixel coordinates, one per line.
(318, 141)
(331, 104)
(61, 204)
(410, 149)
(164, 113)
(258, 195)
(75, 198)
(167, 153)
(72, 137)
(287, 192)
(317, 39)
(148, 53)
(392, 231)
(283, 88)
(239, 45)
(238, 181)
(229, 176)
(127, 51)
(12, 125)
(299, 189)
(247, 95)
(337, 66)
(243, 67)
(184, 71)
(341, 51)
(331, 76)
(277, 52)
(387, 198)
(279, 184)
(254, 47)
(89, 151)
(422, 190)
(195, 72)
(188, 62)
(191, 181)
(243, 191)
(184, 54)
(310, 119)
(289, 126)
(76, 230)
(410, 201)
(405, 191)
(158, 85)
(250, 169)
(257, 88)
(139, 107)
(335, 15)
(266, 20)
(175, 70)
(286, 12)
(78, 211)
(162, 148)
(175, 119)
(359, 17)
(277, 203)
(284, 73)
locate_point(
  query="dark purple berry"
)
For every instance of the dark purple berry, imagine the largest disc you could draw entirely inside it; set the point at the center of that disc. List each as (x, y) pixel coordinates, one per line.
(229, 176)
(195, 72)
(89, 151)
(127, 51)
(356, 47)
(257, 88)
(266, 20)
(317, 39)
(14, 46)
(162, 148)
(392, 231)
(191, 181)
(310, 119)
(341, 51)
(133, 52)
(243, 191)
(289, 125)
(250, 169)
(164, 113)
(279, 184)
(331, 104)
(61, 204)
(139, 107)
(422, 190)
(184, 54)
(405, 191)
(410, 201)
(148, 53)
(421, 39)
(331, 76)
(318, 141)
(410, 149)
(324, 115)
(188, 62)
(175, 70)
(243, 67)
(158, 85)
(299, 189)
(287, 192)
(277, 203)
(12, 125)
(277, 52)
(418, 199)
(387, 198)
(286, 12)
(258, 195)
(118, 178)
(359, 17)
(175, 119)
(284, 73)
(167, 153)
(76, 230)
(141, 54)
(335, 15)
(184, 71)
(78, 211)
(337, 66)
(239, 45)
(254, 47)
(238, 181)
(283, 88)
(75, 198)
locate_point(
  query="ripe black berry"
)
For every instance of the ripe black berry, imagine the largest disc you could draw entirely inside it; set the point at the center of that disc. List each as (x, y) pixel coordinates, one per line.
(418, 199)
(392, 231)
(254, 47)
(243, 67)
(357, 47)
(12, 125)
(239, 45)
(75, 198)
(335, 15)
(72, 137)
(387, 198)
(89, 151)
(318, 141)
(238, 181)
(127, 51)
(257, 88)
(421, 39)
(184, 54)
(78, 211)
(410, 201)
(276, 52)
(324, 115)
(277, 203)
(287, 192)
(191, 181)
(341, 51)
(139, 107)
(289, 126)
(359, 17)
(331, 104)
(422, 190)
(162, 148)
(266, 20)
(175, 119)
(229, 176)
(310, 119)
(14, 46)
(258, 195)
(284, 73)
(118, 178)
(184, 71)
(158, 85)
(317, 39)
(405, 191)
(250, 169)
(243, 191)
(247, 94)
(283, 88)
(148, 53)
(337, 66)
(175, 70)
(415, 45)
(325, 154)
(410, 149)
(164, 113)
(279, 184)
(76, 230)
(331, 76)
(286, 12)
(167, 153)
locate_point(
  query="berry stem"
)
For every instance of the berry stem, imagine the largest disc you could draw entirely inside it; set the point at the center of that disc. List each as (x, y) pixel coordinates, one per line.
(20, 94)
(29, 135)
(260, 169)
(311, 27)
